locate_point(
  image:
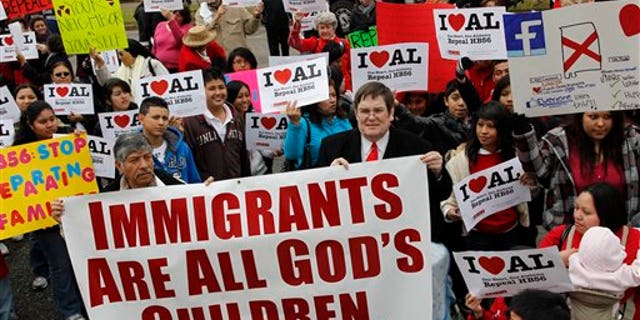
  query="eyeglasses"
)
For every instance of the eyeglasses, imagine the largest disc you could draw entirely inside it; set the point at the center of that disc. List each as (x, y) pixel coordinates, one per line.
(62, 74)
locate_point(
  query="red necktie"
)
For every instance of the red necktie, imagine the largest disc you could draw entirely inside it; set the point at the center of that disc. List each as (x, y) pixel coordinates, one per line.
(373, 154)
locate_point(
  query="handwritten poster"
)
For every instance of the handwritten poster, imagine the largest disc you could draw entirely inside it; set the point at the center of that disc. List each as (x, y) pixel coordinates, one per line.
(575, 59)
(475, 33)
(76, 98)
(19, 8)
(114, 124)
(183, 92)
(35, 174)
(490, 274)
(86, 24)
(363, 38)
(331, 259)
(401, 67)
(265, 131)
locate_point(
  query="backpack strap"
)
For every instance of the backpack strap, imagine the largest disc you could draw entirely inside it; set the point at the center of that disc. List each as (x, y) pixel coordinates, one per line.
(567, 235)
(153, 72)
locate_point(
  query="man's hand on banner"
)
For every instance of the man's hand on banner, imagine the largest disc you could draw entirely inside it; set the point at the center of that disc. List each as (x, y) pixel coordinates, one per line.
(340, 162)
(434, 162)
(208, 182)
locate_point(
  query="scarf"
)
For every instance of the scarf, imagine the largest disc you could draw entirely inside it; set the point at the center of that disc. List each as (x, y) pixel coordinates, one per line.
(133, 73)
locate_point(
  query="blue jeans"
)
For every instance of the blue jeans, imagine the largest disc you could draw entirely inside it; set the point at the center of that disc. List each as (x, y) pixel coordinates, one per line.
(6, 298)
(37, 260)
(62, 279)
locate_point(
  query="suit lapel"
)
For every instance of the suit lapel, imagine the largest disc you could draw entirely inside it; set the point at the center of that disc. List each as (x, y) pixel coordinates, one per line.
(355, 146)
(391, 151)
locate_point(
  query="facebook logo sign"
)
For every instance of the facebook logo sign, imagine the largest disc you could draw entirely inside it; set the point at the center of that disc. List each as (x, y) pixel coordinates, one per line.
(524, 34)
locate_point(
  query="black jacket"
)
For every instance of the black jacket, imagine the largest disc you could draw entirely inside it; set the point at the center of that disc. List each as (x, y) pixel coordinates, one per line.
(166, 178)
(401, 143)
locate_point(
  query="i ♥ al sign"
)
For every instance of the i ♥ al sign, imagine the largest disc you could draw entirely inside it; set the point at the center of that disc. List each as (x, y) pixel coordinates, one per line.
(490, 274)
(401, 67)
(69, 98)
(484, 193)
(306, 82)
(265, 131)
(9, 110)
(114, 124)
(184, 92)
(475, 33)
(8, 47)
(7, 133)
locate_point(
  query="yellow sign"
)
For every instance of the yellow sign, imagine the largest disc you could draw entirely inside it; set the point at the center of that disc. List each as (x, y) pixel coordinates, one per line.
(86, 24)
(35, 174)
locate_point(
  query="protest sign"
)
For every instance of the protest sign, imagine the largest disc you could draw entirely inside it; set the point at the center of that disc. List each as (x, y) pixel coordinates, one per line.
(7, 133)
(473, 33)
(416, 25)
(3, 13)
(401, 67)
(484, 193)
(35, 174)
(8, 43)
(280, 60)
(20, 8)
(308, 21)
(158, 5)
(249, 78)
(363, 38)
(110, 58)
(113, 124)
(490, 274)
(265, 132)
(305, 5)
(575, 59)
(86, 24)
(241, 3)
(184, 92)
(104, 162)
(302, 245)
(69, 98)
(9, 110)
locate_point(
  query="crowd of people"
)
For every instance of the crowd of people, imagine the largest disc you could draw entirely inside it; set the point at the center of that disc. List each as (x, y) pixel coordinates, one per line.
(582, 170)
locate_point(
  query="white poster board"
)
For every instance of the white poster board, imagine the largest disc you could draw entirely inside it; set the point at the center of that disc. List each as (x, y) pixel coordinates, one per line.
(76, 98)
(158, 5)
(113, 124)
(9, 110)
(7, 133)
(305, 5)
(8, 47)
(265, 131)
(183, 92)
(280, 60)
(104, 163)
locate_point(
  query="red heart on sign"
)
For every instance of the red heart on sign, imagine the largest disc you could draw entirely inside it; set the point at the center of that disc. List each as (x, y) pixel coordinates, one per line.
(282, 76)
(62, 91)
(456, 21)
(8, 41)
(268, 123)
(122, 120)
(379, 59)
(629, 16)
(159, 87)
(537, 89)
(476, 185)
(494, 264)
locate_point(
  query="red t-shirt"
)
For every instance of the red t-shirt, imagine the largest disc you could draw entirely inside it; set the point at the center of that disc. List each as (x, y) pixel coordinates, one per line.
(613, 176)
(501, 221)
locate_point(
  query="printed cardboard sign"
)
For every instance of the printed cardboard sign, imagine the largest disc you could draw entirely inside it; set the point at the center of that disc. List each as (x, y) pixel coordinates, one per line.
(184, 92)
(401, 67)
(484, 193)
(7, 133)
(104, 163)
(241, 3)
(294, 246)
(265, 131)
(35, 174)
(308, 21)
(9, 110)
(490, 274)
(575, 59)
(19, 8)
(363, 38)
(280, 60)
(305, 5)
(113, 124)
(158, 5)
(69, 98)
(474, 33)
(8, 43)
(86, 24)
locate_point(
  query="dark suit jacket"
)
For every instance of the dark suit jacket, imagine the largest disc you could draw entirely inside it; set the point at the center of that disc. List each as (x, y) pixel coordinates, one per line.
(348, 145)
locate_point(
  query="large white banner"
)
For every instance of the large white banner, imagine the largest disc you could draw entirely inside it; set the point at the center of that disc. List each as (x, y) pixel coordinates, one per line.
(575, 59)
(113, 124)
(474, 33)
(9, 110)
(490, 274)
(66, 99)
(183, 92)
(484, 193)
(401, 66)
(313, 244)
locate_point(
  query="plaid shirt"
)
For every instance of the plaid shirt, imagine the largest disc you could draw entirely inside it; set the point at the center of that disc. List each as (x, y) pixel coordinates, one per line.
(548, 159)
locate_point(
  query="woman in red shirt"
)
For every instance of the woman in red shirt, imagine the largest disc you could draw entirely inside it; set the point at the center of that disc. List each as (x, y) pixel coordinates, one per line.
(201, 51)
(600, 204)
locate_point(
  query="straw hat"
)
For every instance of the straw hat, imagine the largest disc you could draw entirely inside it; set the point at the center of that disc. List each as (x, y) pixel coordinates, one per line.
(198, 36)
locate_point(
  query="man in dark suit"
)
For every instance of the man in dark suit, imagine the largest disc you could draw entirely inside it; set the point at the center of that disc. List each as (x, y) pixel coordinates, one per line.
(375, 139)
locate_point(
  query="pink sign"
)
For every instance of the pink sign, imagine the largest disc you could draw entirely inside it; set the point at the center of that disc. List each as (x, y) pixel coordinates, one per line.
(250, 78)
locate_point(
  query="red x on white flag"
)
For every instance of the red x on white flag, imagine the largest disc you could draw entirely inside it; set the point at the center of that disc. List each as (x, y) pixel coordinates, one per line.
(580, 49)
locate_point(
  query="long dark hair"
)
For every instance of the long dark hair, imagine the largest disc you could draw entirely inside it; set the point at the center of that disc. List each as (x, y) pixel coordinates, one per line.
(109, 86)
(136, 49)
(314, 113)
(243, 53)
(496, 112)
(26, 133)
(33, 88)
(610, 205)
(233, 90)
(610, 146)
